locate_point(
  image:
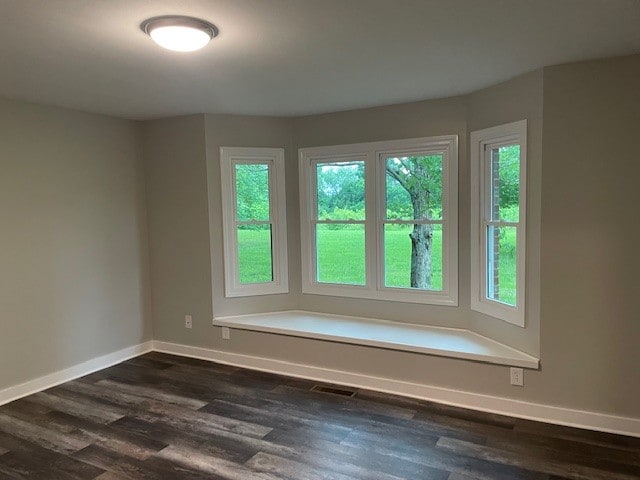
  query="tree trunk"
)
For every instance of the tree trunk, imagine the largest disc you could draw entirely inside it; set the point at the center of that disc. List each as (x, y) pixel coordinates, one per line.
(421, 243)
(413, 176)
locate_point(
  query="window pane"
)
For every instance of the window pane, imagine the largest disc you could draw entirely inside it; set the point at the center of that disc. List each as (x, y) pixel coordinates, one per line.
(340, 187)
(400, 254)
(252, 191)
(341, 254)
(254, 254)
(505, 183)
(501, 264)
(414, 187)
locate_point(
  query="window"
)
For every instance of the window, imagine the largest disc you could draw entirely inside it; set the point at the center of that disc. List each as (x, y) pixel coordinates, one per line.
(379, 220)
(254, 221)
(498, 209)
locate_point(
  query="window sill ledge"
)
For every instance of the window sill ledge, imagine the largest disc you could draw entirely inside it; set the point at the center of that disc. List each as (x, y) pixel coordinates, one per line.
(439, 341)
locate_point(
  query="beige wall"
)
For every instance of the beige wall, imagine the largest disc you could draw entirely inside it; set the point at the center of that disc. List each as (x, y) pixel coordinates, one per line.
(175, 171)
(176, 167)
(517, 99)
(419, 119)
(588, 310)
(240, 131)
(73, 264)
(590, 278)
(180, 153)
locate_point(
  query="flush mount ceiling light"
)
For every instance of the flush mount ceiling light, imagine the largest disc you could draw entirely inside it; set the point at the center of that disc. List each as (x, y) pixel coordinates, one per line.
(179, 33)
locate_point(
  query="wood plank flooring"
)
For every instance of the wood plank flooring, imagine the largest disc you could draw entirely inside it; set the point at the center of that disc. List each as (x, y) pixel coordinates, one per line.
(159, 417)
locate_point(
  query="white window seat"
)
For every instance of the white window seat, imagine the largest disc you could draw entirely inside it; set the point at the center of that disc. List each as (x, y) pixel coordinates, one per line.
(440, 341)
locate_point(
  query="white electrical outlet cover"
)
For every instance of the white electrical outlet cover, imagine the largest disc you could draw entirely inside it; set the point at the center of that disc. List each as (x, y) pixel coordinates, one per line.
(188, 321)
(226, 333)
(517, 376)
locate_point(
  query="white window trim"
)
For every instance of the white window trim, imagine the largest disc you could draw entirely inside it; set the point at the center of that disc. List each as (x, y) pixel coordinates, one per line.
(481, 141)
(373, 154)
(230, 156)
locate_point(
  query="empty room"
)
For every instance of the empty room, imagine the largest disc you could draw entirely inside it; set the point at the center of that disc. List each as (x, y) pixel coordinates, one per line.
(319, 239)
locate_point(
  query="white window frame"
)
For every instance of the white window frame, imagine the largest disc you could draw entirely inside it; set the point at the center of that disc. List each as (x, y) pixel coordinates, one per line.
(274, 157)
(374, 154)
(482, 142)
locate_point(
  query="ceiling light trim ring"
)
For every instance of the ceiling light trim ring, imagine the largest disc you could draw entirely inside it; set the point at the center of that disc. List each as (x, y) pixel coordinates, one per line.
(179, 21)
(179, 33)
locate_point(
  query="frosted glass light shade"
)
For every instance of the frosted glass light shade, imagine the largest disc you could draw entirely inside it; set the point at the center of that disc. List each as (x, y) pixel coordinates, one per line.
(180, 39)
(180, 34)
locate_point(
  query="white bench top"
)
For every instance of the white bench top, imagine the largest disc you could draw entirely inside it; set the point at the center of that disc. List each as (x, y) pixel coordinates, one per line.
(441, 341)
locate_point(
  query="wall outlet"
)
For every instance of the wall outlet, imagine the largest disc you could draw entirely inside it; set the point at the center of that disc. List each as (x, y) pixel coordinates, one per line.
(517, 377)
(188, 321)
(226, 333)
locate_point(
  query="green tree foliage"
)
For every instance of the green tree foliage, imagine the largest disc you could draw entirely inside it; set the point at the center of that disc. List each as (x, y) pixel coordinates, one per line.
(509, 176)
(398, 200)
(414, 191)
(341, 191)
(252, 191)
(409, 178)
(421, 178)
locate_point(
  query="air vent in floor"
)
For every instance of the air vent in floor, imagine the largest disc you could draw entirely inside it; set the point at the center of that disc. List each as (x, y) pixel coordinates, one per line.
(336, 390)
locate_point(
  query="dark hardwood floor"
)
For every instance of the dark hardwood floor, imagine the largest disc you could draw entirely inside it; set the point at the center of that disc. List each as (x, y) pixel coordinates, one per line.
(165, 417)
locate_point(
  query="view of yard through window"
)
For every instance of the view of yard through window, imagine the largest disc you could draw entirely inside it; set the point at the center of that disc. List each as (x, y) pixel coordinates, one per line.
(254, 221)
(254, 230)
(342, 255)
(501, 231)
(412, 224)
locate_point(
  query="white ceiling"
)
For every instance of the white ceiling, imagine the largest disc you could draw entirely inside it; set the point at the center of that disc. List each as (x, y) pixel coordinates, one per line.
(294, 57)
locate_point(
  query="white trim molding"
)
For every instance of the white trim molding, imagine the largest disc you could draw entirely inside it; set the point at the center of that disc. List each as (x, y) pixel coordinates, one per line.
(475, 401)
(482, 144)
(80, 370)
(374, 155)
(273, 159)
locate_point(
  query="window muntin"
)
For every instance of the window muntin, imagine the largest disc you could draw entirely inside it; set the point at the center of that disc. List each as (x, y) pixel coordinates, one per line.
(370, 226)
(498, 165)
(254, 221)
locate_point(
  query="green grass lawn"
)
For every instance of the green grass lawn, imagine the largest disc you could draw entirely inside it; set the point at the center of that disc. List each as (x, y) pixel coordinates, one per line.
(397, 250)
(254, 255)
(507, 266)
(341, 258)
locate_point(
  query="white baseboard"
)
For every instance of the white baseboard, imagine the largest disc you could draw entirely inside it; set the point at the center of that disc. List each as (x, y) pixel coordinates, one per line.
(475, 401)
(42, 383)
(459, 398)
